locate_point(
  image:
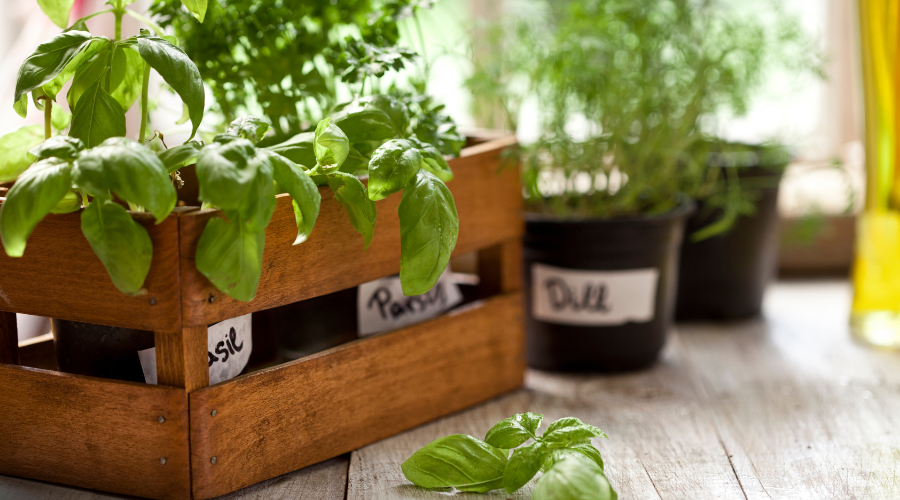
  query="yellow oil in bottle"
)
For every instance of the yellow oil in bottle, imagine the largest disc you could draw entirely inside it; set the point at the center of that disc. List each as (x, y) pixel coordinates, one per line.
(875, 315)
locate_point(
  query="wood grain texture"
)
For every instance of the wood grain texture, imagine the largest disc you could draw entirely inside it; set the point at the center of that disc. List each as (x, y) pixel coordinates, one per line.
(500, 267)
(181, 359)
(94, 433)
(9, 339)
(60, 277)
(324, 481)
(277, 420)
(802, 411)
(488, 201)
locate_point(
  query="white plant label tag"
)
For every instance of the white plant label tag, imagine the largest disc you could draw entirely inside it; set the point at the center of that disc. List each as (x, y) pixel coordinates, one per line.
(229, 343)
(383, 307)
(592, 298)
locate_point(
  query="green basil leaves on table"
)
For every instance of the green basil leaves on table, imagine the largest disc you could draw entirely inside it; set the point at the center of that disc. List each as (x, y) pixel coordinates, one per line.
(97, 117)
(457, 461)
(48, 60)
(331, 146)
(391, 168)
(229, 254)
(572, 466)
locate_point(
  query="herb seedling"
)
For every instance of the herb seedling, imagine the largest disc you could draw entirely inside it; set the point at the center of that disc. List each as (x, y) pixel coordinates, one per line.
(572, 466)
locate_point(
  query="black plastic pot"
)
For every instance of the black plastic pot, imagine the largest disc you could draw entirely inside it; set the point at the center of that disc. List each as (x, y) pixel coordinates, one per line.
(724, 277)
(98, 350)
(639, 244)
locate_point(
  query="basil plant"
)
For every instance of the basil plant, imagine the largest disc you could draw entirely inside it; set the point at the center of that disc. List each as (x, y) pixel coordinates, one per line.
(117, 167)
(243, 179)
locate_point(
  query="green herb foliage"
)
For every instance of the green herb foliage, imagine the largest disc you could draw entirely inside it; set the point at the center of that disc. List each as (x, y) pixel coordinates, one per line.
(237, 175)
(645, 79)
(572, 466)
(298, 58)
(117, 166)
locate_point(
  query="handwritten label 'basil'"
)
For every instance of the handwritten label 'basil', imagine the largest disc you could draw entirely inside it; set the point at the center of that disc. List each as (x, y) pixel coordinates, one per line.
(229, 345)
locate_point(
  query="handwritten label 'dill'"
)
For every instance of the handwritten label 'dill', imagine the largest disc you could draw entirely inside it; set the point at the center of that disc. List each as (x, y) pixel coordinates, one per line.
(229, 344)
(592, 298)
(383, 307)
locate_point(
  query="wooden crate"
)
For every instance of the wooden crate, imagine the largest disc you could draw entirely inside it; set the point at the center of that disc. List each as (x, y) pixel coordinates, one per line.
(186, 439)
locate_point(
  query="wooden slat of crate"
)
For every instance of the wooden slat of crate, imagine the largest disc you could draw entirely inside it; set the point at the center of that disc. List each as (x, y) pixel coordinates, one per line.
(277, 420)
(488, 200)
(60, 276)
(94, 433)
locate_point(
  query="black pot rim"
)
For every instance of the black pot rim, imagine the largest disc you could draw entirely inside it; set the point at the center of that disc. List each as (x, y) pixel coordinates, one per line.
(685, 207)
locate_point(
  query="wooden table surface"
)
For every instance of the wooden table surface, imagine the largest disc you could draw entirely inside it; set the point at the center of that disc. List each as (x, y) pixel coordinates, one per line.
(784, 406)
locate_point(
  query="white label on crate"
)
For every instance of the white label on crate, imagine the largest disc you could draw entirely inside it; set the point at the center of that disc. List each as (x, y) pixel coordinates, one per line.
(592, 298)
(383, 307)
(230, 343)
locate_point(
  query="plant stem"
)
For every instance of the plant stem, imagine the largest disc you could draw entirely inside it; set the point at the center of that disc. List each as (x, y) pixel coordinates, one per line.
(145, 90)
(48, 118)
(118, 33)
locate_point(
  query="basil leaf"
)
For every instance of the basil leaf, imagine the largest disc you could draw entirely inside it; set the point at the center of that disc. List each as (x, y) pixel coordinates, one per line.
(69, 203)
(123, 245)
(429, 226)
(225, 172)
(351, 194)
(31, 198)
(60, 118)
(299, 149)
(570, 430)
(364, 121)
(130, 170)
(87, 53)
(574, 478)
(303, 191)
(395, 109)
(175, 158)
(85, 76)
(178, 71)
(524, 463)
(249, 127)
(48, 60)
(58, 146)
(230, 256)
(433, 160)
(331, 146)
(513, 431)
(127, 76)
(196, 7)
(587, 450)
(21, 106)
(14, 148)
(97, 117)
(57, 10)
(456, 461)
(391, 168)
(258, 205)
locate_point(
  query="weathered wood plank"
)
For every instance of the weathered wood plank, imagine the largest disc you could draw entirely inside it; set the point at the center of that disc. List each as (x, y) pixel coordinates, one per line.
(280, 419)
(94, 433)
(802, 411)
(488, 202)
(663, 443)
(60, 276)
(324, 481)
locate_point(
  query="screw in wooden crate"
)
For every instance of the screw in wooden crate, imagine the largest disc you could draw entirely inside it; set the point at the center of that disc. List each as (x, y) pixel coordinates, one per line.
(152, 301)
(161, 419)
(212, 460)
(212, 298)
(213, 413)
(162, 460)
